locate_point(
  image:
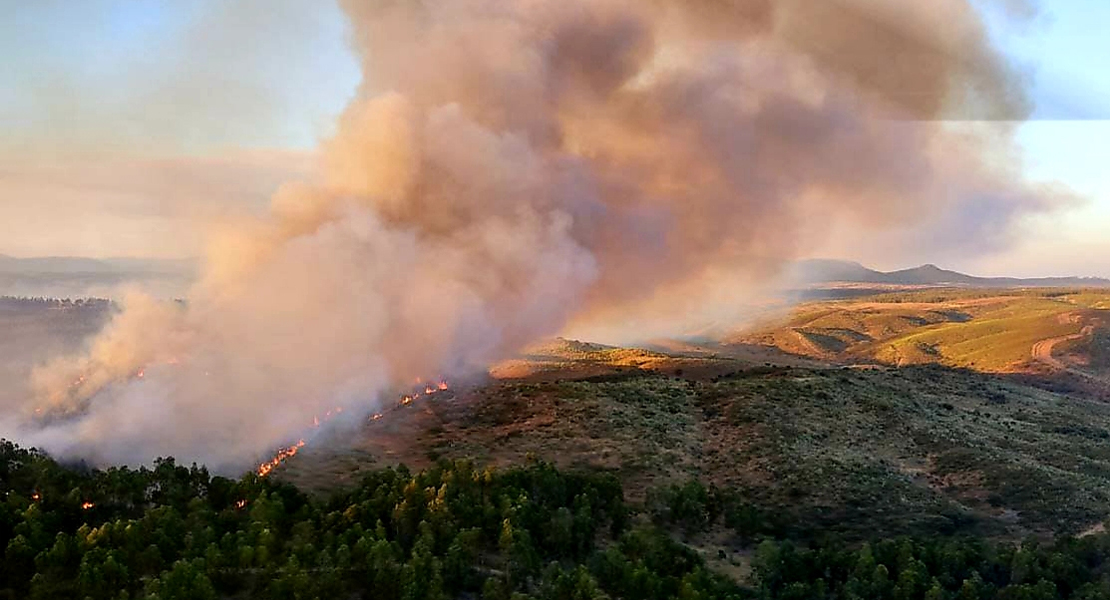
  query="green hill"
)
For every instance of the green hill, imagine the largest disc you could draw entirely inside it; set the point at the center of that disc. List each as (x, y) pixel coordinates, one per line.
(856, 451)
(985, 330)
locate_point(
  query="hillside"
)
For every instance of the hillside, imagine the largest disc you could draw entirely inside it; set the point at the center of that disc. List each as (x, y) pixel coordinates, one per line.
(857, 452)
(456, 531)
(725, 470)
(986, 330)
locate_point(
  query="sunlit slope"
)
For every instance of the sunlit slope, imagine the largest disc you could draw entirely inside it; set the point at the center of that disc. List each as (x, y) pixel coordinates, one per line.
(857, 452)
(988, 331)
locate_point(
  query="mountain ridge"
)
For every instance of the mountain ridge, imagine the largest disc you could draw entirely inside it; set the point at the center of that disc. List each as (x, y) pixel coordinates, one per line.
(79, 264)
(827, 271)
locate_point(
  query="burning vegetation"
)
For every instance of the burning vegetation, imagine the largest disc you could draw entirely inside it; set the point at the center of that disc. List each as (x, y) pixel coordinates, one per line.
(284, 454)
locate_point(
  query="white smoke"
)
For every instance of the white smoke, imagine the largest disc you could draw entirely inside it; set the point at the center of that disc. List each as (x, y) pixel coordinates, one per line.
(509, 167)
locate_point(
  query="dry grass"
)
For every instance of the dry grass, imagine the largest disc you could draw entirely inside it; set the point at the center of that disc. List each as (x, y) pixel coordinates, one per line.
(991, 333)
(836, 450)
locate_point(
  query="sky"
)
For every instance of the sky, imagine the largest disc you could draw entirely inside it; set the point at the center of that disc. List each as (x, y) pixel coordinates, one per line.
(1067, 54)
(129, 126)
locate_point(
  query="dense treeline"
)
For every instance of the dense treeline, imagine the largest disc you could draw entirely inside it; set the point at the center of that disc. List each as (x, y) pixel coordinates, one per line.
(936, 569)
(902, 569)
(455, 531)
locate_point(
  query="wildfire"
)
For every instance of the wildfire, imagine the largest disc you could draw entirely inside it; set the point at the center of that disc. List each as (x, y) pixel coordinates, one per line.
(285, 454)
(407, 399)
(282, 455)
(35, 496)
(240, 503)
(87, 505)
(141, 374)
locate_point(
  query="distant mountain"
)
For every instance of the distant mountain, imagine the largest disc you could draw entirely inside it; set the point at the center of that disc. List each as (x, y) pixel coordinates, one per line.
(74, 264)
(76, 277)
(823, 271)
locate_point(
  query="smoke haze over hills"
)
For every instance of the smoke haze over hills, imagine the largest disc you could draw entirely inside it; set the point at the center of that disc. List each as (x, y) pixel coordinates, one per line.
(509, 169)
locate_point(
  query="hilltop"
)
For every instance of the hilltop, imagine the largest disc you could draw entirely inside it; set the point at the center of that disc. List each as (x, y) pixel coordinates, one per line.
(823, 271)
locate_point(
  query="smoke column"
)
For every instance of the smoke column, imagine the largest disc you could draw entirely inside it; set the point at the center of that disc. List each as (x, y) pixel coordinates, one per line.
(509, 167)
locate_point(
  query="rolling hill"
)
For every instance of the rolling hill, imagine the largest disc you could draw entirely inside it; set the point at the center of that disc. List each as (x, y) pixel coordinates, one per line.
(985, 330)
(852, 452)
(820, 271)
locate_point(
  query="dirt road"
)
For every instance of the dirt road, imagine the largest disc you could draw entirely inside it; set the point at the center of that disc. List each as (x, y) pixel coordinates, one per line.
(1042, 353)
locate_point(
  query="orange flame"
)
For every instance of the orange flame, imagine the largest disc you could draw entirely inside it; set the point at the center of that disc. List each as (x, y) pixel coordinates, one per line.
(35, 496)
(87, 505)
(285, 454)
(240, 503)
(410, 398)
(282, 455)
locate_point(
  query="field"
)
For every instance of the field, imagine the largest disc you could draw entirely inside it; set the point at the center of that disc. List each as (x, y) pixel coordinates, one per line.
(989, 331)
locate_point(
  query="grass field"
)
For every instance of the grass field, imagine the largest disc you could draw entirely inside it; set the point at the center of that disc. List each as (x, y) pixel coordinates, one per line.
(991, 331)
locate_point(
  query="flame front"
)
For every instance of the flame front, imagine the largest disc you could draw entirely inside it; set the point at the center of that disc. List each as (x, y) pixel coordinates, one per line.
(282, 455)
(87, 505)
(285, 454)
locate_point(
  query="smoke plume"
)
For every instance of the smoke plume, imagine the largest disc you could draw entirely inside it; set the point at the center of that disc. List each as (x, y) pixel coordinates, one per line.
(510, 167)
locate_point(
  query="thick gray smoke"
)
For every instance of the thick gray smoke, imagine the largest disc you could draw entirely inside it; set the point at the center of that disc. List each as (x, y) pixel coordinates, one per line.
(513, 166)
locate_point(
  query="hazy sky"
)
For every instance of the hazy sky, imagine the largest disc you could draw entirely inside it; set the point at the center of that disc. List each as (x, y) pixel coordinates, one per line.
(1068, 139)
(128, 125)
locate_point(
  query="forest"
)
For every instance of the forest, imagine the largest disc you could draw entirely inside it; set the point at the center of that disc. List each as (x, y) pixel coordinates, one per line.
(458, 531)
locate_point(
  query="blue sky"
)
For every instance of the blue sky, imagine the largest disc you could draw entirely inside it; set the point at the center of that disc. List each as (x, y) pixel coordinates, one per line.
(129, 80)
(173, 77)
(1065, 51)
